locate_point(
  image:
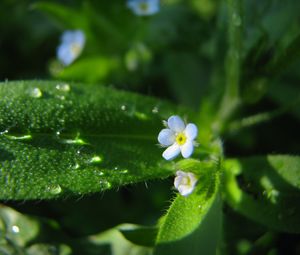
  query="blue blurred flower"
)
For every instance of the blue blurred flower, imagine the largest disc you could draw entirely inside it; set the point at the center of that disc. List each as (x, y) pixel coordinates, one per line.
(72, 43)
(143, 7)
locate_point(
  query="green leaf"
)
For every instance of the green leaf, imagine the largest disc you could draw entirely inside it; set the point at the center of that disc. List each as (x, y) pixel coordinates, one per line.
(139, 235)
(266, 190)
(286, 94)
(65, 16)
(112, 242)
(48, 249)
(59, 139)
(286, 57)
(185, 68)
(16, 230)
(192, 224)
(89, 69)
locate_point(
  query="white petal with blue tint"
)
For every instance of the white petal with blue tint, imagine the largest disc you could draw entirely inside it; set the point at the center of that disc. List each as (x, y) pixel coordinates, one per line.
(143, 7)
(176, 124)
(171, 152)
(179, 137)
(191, 131)
(72, 43)
(187, 149)
(185, 182)
(166, 137)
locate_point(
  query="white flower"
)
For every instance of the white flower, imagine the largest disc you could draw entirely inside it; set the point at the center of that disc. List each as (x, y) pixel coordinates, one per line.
(178, 137)
(143, 7)
(72, 43)
(185, 182)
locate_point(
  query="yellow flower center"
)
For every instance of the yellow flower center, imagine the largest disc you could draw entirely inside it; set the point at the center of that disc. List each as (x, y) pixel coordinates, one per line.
(180, 138)
(186, 181)
(75, 49)
(144, 6)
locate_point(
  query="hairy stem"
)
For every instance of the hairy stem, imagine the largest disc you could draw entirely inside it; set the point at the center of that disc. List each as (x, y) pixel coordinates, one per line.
(231, 98)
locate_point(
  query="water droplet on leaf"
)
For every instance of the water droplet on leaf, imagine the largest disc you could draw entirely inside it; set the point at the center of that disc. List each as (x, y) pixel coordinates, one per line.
(96, 159)
(76, 140)
(55, 189)
(65, 87)
(76, 166)
(105, 184)
(141, 116)
(155, 110)
(4, 132)
(15, 229)
(36, 93)
(22, 137)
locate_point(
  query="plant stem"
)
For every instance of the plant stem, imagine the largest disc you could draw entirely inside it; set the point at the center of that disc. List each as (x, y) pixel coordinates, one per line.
(231, 98)
(261, 117)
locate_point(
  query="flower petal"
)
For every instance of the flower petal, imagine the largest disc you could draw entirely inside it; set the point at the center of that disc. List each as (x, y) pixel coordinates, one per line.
(187, 149)
(185, 182)
(193, 179)
(166, 137)
(185, 190)
(143, 7)
(65, 55)
(191, 131)
(171, 152)
(176, 124)
(79, 37)
(178, 178)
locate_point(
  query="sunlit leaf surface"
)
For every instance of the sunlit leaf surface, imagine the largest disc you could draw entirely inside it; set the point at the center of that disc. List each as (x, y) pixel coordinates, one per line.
(192, 224)
(59, 139)
(266, 189)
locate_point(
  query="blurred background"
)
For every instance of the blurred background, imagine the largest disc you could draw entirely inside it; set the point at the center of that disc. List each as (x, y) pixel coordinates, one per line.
(178, 54)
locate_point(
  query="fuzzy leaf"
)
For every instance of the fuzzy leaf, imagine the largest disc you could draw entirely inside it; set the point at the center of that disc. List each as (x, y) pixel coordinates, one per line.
(139, 235)
(113, 242)
(58, 139)
(266, 190)
(192, 224)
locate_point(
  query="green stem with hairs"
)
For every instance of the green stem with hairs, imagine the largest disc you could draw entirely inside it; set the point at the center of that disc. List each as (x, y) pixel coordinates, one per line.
(231, 98)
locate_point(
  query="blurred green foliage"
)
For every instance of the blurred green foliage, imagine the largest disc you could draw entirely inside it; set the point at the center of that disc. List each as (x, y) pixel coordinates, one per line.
(180, 54)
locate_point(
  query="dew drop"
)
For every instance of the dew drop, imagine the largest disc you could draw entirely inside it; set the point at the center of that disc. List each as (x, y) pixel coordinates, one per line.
(15, 229)
(63, 87)
(155, 110)
(105, 184)
(55, 189)
(96, 159)
(61, 98)
(22, 137)
(236, 19)
(76, 166)
(77, 140)
(123, 107)
(36, 93)
(4, 132)
(141, 116)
